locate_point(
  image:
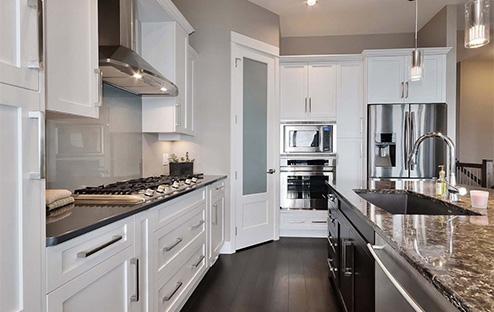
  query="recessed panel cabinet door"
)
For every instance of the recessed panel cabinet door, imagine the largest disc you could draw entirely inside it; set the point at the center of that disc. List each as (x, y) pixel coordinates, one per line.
(22, 207)
(293, 89)
(322, 92)
(108, 287)
(73, 78)
(432, 87)
(385, 79)
(19, 50)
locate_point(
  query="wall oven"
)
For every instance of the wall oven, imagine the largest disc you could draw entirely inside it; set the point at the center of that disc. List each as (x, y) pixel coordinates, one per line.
(308, 138)
(303, 182)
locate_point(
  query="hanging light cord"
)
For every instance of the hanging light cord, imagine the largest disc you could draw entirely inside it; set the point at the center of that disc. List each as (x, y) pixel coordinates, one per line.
(416, 21)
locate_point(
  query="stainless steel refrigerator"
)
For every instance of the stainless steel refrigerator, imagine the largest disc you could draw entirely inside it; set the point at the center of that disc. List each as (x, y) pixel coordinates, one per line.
(392, 131)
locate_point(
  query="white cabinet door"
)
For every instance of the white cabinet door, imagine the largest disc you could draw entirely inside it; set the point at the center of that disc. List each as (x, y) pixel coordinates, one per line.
(73, 78)
(349, 167)
(385, 79)
(293, 89)
(192, 57)
(19, 51)
(350, 101)
(217, 227)
(181, 59)
(22, 207)
(107, 287)
(432, 87)
(322, 92)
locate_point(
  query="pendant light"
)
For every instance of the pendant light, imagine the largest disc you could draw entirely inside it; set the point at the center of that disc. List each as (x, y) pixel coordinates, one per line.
(477, 23)
(417, 57)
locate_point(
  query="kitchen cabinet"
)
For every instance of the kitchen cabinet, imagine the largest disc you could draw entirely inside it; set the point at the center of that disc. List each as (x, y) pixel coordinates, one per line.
(303, 223)
(108, 287)
(166, 46)
(388, 77)
(216, 220)
(308, 92)
(350, 163)
(73, 78)
(20, 49)
(22, 212)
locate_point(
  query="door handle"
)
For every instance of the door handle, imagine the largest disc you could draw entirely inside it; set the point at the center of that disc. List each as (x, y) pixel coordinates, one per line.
(306, 105)
(310, 105)
(406, 140)
(99, 79)
(177, 241)
(271, 171)
(41, 174)
(406, 88)
(85, 254)
(135, 298)
(170, 296)
(402, 89)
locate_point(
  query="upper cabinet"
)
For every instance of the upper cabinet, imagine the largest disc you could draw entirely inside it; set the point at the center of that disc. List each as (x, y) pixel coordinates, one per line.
(308, 92)
(19, 50)
(73, 80)
(165, 45)
(388, 77)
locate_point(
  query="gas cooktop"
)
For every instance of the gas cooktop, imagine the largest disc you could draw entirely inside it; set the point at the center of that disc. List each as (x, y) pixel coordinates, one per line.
(137, 191)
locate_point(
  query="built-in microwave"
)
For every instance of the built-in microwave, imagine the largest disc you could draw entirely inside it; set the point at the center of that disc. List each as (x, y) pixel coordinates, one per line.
(308, 138)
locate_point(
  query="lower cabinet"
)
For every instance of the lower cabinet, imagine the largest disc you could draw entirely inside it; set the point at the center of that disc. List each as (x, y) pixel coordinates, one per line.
(108, 287)
(351, 265)
(151, 261)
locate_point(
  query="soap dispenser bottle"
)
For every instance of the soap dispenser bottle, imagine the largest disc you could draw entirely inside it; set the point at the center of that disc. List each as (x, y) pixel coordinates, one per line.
(441, 186)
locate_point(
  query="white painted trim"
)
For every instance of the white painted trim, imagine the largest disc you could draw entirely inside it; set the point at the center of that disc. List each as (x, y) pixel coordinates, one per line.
(227, 249)
(175, 14)
(337, 58)
(395, 52)
(254, 44)
(303, 233)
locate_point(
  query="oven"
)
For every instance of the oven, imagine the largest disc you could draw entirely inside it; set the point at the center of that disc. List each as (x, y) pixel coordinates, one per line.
(303, 182)
(308, 138)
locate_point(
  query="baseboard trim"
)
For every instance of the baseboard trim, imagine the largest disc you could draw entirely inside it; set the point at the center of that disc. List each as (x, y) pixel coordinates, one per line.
(303, 233)
(227, 249)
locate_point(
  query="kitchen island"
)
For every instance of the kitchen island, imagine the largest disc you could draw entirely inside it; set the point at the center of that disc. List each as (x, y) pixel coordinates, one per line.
(451, 252)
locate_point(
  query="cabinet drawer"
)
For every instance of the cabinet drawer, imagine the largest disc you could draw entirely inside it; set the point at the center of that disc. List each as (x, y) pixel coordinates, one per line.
(74, 257)
(173, 238)
(217, 190)
(176, 287)
(304, 218)
(172, 210)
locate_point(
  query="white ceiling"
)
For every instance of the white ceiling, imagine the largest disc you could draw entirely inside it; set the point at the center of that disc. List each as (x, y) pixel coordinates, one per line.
(347, 17)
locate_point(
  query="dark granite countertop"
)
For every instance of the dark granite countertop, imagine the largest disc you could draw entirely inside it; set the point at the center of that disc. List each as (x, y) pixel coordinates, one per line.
(455, 253)
(75, 220)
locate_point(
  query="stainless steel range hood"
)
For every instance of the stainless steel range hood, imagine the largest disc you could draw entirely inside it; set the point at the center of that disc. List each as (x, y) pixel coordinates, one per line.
(120, 65)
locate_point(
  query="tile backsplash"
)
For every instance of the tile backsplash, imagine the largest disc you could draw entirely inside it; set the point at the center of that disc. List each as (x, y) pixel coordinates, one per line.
(88, 152)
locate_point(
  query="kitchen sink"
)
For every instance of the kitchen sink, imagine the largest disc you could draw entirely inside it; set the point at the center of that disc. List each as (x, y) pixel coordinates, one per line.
(410, 203)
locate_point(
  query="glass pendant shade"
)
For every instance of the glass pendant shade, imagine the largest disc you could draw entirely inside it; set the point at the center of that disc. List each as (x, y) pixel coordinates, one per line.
(477, 23)
(416, 71)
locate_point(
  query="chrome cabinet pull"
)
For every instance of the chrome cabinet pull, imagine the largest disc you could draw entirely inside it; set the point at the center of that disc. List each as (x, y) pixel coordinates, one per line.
(296, 222)
(306, 105)
(168, 248)
(170, 296)
(99, 79)
(215, 206)
(197, 225)
(40, 116)
(319, 221)
(85, 254)
(347, 270)
(220, 188)
(199, 261)
(135, 298)
(402, 89)
(310, 104)
(396, 284)
(406, 88)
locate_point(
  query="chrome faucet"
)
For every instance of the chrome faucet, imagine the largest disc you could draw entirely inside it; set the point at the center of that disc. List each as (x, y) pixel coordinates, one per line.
(450, 167)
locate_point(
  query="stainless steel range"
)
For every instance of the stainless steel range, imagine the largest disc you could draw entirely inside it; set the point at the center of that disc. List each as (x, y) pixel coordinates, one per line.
(137, 191)
(303, 182)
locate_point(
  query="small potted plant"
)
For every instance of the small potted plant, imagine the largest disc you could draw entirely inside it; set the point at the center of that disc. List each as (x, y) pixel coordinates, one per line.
(182, 166)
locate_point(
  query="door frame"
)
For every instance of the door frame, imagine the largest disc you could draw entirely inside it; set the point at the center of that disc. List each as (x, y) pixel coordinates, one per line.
(242, 42)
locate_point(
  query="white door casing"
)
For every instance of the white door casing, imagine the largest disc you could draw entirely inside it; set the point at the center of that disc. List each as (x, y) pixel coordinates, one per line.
(255, 206)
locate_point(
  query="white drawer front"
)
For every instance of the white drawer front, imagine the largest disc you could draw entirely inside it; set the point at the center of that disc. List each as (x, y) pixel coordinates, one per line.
(217, 190)
(173, 238)
(169, 211)
(304, 219)
(76, 256)
(176, 287)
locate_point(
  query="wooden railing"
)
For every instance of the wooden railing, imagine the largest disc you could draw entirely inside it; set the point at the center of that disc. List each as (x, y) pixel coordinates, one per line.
(476, 174)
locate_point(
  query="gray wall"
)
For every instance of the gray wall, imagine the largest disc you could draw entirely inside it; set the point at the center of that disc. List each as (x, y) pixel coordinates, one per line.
(434, 33)
(89, 152)
(343, 44)
(213, 21)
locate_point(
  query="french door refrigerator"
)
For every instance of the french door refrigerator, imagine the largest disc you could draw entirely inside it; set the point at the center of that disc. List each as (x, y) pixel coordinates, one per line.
(392, 131)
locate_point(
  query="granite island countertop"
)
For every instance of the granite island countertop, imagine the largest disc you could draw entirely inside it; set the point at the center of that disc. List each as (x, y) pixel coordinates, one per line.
(74, 220)
(455, 253)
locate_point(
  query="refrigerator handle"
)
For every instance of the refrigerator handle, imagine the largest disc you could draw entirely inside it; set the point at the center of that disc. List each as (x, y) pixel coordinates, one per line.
(406, 140)
(412, 134)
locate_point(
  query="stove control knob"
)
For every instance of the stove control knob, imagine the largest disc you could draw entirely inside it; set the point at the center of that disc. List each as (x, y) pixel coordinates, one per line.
(161, 189)
(149, 192)
(194, 180)
(188, 181)
(176, 184)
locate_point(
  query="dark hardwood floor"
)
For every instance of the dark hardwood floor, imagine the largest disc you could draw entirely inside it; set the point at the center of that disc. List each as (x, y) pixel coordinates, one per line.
(288, 275)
